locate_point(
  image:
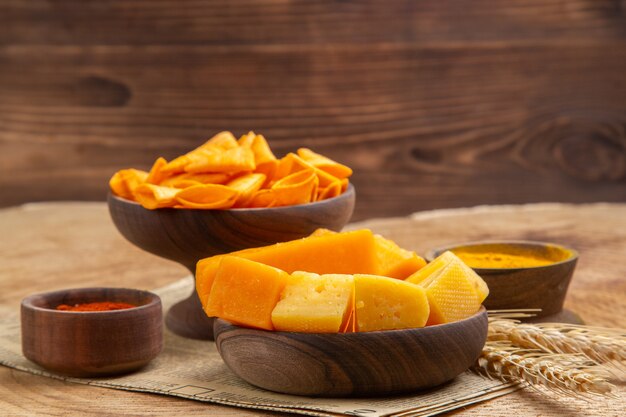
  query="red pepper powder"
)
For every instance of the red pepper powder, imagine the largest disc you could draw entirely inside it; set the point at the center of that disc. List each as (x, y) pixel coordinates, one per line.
(99, 306)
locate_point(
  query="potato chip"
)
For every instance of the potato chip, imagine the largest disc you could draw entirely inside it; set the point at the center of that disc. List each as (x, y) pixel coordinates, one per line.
(227, 172)
(152, 196)
(247, 139)
(209, 178)
(290, 164)
(175, 166)
(325, 164)
(344, 184)
(247, 185)
(223, 140)
(156, 174)
(124, 182)
(207, 196)
(297, 188)
(232, 160)
(262, 153)
(189, 179)
(330, 191)
(263, 198)
(266, 162)
(293, 163)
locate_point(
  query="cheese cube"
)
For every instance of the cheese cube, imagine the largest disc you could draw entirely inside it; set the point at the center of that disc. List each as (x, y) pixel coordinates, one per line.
(395, 262)
(245, 292)
(336, 253)
(428, 273)
(451, 294)
(314, 304)
(383, 303)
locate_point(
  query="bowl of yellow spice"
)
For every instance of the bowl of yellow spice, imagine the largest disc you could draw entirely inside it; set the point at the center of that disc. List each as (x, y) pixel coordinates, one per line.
(521, 274)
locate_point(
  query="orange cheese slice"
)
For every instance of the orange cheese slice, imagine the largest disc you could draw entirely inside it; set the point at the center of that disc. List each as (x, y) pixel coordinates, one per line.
(339, 253)
(395, 262)
(245, 292)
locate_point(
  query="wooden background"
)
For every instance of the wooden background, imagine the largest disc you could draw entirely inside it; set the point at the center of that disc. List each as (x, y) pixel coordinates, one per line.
(435, 103)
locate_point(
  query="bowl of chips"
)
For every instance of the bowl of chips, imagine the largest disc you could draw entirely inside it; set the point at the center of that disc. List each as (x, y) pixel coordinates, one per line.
(224, 196)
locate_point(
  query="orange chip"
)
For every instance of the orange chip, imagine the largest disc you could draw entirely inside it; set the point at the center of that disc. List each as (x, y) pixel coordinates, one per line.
(210, 178)
(262, 152)
(247, 139)
(217, 160)
(176, 165)
(223, 140)
(188, 180)
(325, 178)
(290, 164)
(228, 172)
(263, 198)
(247, 185)
(156, 174)
(265, 160)
(344, 184)
(293, 163)
(297, 188)
(152, 196)
(332, 190)
(325, 164)
(208, 196)
(124, 182)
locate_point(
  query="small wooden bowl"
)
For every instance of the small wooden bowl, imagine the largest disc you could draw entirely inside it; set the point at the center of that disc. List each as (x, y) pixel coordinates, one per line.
(539, 287)
(352, 364)
(87, 344)
(188, 235)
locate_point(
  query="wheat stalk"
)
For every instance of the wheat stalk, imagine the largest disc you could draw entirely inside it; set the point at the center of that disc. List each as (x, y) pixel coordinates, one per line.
(562, 373)
(604, 346)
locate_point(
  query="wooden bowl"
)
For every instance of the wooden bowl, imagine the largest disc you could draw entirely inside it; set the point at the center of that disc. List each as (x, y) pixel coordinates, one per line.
(85, 344)
(539, 287)
(352, 364)
(188, 235)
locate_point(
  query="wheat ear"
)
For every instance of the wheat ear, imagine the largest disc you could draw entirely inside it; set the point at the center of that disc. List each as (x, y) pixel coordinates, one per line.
(565, 374)
(605, 346)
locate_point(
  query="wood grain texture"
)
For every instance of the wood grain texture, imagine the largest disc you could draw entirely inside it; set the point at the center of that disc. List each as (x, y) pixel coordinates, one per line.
(186, 236)
(91, 344)
(433, 103)
(352, 364)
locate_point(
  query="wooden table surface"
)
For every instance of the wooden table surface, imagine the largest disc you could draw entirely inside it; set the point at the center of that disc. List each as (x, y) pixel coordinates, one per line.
(60, 245)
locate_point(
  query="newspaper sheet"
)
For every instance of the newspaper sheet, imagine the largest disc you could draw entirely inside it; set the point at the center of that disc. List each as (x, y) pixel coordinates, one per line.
(193, 369)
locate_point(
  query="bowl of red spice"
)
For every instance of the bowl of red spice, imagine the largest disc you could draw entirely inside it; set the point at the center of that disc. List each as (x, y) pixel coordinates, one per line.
(86, 332)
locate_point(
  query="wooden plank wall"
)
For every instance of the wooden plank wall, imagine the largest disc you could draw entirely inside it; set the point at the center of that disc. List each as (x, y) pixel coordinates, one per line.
(435, 103)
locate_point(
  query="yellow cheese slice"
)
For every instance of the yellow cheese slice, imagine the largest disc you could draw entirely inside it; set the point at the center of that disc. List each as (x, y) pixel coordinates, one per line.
(428, 273)
(451, 294)
(383, 303)
(314, 304)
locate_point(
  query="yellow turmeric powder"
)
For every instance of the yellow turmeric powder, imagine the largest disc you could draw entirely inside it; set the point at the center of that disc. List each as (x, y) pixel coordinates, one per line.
(493, 256)
(500, 260)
